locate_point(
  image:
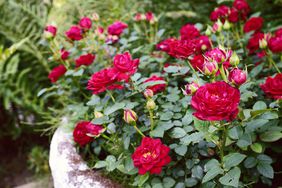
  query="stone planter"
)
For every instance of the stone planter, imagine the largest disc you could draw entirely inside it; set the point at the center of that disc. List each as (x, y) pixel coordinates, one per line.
(67, 167)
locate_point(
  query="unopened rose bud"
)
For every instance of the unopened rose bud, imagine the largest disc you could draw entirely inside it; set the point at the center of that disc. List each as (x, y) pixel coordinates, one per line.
(148, 93)
(50, 32)
(226, 25)
(208, 31)
(204, 47)
(234, 59)
(191, 88)
(95, 17)
(98, 114)
(129, 116)
(219, 24)
(210, 67)
(262, 44)
(237, 76)
(151, 105)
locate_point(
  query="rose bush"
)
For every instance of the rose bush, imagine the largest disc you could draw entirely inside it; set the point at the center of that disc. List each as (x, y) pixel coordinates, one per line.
(217, 132)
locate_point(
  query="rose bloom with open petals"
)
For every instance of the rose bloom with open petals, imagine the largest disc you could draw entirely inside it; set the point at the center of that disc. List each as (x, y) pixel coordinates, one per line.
(253, 24)
(180, 49)
(103, 80)
(125, 65)
(164, 45)
(117, 28)
(156, 88)
(275, 44)
(189, 31)
(85, 23)
(253, 43)
(85, 131)
(74, 33)
(202, 43)
(151, 156)
(220, 12)
(56, 73)
(198, 62)
(216, 102)
(273, 86)
(86, 60)
(243, 7)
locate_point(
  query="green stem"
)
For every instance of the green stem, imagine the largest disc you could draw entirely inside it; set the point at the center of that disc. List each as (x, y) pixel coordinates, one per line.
(106, 137)
(111, 95)
(138, 130)
(271, 61)
(222, 145)
(194, 71)
(222, 72)
(152, 119)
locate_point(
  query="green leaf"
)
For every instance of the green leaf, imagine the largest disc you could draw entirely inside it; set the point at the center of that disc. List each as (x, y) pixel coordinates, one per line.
(256, 147)
(93, 101)
(192, 138)
(100, 164)
(202, 126)
(255, 124)
(166, 116)
(191, 182)
(111, 109)
(250, 162)
(271, 136)
(266, 170)
(168, 182)
(259, 105)
(101, 120)
(231, 178)
(235, 133)
(244, 141)
(233, 159)
(142, 179)
(178, 132)
(264, 159)
(181, 150)
(188, 118)
(212, 174)
(197, 172)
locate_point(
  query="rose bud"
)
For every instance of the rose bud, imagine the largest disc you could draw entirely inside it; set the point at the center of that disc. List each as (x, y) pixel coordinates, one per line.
(234, 59)
(237, 76)
(57, 73)
(148, 93)
(64, 54)
(210, 68)
(208, 31)
(85, 23)
(262, 43)
(50, 31)
(129, 116)
(98, 114)
(95, 16)
(226, 25)
(151, 105)
(191, 88)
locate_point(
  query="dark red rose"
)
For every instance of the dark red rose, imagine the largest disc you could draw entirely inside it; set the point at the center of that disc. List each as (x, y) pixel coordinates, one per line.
(117, 28)
(253, 43)
(149, 16)
(64, 54)
(202, 43)
(125, 65)
(151, 156)
(74, 33)
(273, 86)
(85, 23)
(86, 60)
(85, 131)
(233, 15)
(243, 7)
(51, 29)
(237, 76)
(278, 32)
(216, 102)
(164, 45)
(189, 31)
(181, 49)
(220, 12)
(156, 88)
(197, 62)
(253, 24)
(103, 80)
(56, 73)
(275, 44)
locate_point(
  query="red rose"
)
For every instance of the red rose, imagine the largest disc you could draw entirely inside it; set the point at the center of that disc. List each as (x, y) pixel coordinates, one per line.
(51, 29)
(202, 43)
(86, 60)
(64, 54)
(85, 23)
(56, 73)
(253, 24)
(253, 43)
(156, 88)
(149, 16)
(151, 156)
(216, 102)
(74, 33)
(218, 55)
(278, 32)
(198, 62)
(243, 8)
(103, 80)
(275, 44)
(273, 86)
(233, 15)
(237, 76)
(191, 88)
(181, 49)
(220, 12)
(164, 45)
(125, 65)
(117, 28)
(85, 131)
(188, 32)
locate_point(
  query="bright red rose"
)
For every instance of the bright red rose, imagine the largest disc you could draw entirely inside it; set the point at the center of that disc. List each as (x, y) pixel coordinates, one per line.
(198, 62)
(85, 23)
(220, 12)
(74, 33)
(164, 45)
(273, 86)
(253, 43)
(56, 73)
(181, 49)
(237, 76)
(233, 15)
(117, 28)
(218, 55)
(51, 29)
(64, 54)
(216, 102)
(149, 16)
(278, 32)
(202, 43)
(189, 31)
(253, 24)
(103, 80)
(85, 131)
(125, 65)
(86, 60)
(275, 44)
(156, 88)
(151, 156)
(243, 7)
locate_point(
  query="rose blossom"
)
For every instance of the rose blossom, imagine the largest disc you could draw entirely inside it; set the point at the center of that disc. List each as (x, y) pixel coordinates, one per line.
(180, 49)
(197, 62)
(156, 88)
(85, 23)
(151, 156)
(218, 55)
(117, 28)
(210, 67)
(191, 88)
(202, 43)
(74, 33)
(51, 29)
(103, 80)
(243, 7)
(189, 31)
(125, 65)
(149, 16)
(64, 54)
(275, 44)
(253, 43)
(216, 102)
(233, 15)
(278, 32)
(237, 76)
(84, 132)
(56, 73)
(164, 45)
(273, 86)
(253, 24)
(220, 12)
(86, 60)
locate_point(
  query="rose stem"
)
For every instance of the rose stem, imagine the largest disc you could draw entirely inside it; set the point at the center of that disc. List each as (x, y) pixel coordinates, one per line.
(191, 67)
(138, 130)
(271, 61)
(222, 72)
(111, 95)
(222, 145)
(151, 119)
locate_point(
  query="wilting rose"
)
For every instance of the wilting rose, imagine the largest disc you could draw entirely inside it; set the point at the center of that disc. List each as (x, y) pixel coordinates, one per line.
(85, 131)
(202, 43)
(216, 102)
(156, 88)
(243, 7)
(253, 43)
(188, 32)
(237, 76)
(86, 60)
(275, 44)
(64, 54)
(74, 33)
(220, 12)
(197, 62)
(56, 73)
(51, 29)
(191, 88)
(151, 156)
(103, 80)
(125, 65)
(273, 86)
(117, 28)
(253, 24)
(85, 23)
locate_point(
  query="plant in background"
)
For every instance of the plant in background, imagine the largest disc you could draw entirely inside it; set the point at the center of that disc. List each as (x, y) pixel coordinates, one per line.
(38, 161)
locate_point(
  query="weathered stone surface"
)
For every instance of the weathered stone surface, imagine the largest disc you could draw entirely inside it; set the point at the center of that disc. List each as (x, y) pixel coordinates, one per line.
(67, 167)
